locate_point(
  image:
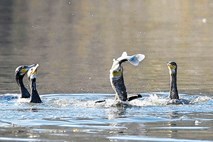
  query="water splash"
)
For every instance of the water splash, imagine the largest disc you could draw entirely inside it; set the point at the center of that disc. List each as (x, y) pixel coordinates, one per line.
(88, 100)
(79, 114)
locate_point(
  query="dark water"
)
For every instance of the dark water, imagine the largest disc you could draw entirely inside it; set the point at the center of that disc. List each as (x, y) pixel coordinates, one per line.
(74, 41)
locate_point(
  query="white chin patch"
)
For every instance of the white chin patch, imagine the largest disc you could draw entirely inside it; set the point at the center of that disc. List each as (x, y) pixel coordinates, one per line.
(115, 65)
(172, 71)
(33, 76)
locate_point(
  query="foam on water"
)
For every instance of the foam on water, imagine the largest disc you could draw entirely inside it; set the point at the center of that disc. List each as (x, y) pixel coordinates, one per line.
(79, 113)
(133, 138)
(200, 99)
(88, 100)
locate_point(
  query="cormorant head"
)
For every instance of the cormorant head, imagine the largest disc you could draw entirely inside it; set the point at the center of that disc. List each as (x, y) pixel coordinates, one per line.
(21, 71)
(32, 72)
(172, 66)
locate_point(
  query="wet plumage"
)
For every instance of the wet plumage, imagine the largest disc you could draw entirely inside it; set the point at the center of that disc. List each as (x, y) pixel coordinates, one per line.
(174, 96)
(32, 75)
(116, 75)
(20, 72)
(31, 71)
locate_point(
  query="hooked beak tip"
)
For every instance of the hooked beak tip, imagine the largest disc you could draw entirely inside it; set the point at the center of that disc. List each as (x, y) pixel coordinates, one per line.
(37, 65)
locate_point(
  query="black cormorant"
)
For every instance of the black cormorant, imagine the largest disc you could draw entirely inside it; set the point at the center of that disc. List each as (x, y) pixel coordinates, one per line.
(174, 97)
(117, 79)
(19, 75)
(32, 74)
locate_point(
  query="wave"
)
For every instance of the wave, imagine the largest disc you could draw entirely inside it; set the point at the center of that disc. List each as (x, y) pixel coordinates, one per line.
(89, 99)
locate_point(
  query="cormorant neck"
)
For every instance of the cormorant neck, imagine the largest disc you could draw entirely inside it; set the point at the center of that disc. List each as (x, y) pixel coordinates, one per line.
(119, 87)
(23, 90)
(19, 80)
(35, 96)
(173, 86)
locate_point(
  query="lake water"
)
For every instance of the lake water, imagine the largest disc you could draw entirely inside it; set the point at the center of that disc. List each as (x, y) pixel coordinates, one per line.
(74, 43)
(76, 117)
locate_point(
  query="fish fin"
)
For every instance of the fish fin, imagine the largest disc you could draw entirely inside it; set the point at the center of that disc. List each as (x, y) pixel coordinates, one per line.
(136, 59)
(123, 57)
(124, 54)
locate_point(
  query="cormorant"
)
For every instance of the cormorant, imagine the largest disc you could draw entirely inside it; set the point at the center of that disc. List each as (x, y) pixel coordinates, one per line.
(174, 97)
(117, 79)
(19, 75)
(32, 74)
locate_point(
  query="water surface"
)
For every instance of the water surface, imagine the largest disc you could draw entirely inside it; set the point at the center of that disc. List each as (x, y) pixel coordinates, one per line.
(76, 117)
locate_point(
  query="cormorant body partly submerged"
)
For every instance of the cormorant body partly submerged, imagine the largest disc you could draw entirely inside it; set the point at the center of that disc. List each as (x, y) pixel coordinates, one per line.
(117, 79)
(32, 74)
(174, 97)
(19, 75)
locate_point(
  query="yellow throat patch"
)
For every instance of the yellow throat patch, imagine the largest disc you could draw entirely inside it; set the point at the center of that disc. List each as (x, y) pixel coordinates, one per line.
(171, 67)
(23, 71)
(116, 73)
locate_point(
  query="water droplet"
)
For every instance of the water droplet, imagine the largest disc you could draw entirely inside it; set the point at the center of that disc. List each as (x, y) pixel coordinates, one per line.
(204, 20)
(197, 122)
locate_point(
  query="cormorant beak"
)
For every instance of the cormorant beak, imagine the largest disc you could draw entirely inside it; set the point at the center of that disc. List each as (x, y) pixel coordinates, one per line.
(22, 70)
(32, 72)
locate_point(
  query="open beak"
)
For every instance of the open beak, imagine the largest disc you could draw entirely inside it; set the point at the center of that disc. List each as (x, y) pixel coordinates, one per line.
(32, 72)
